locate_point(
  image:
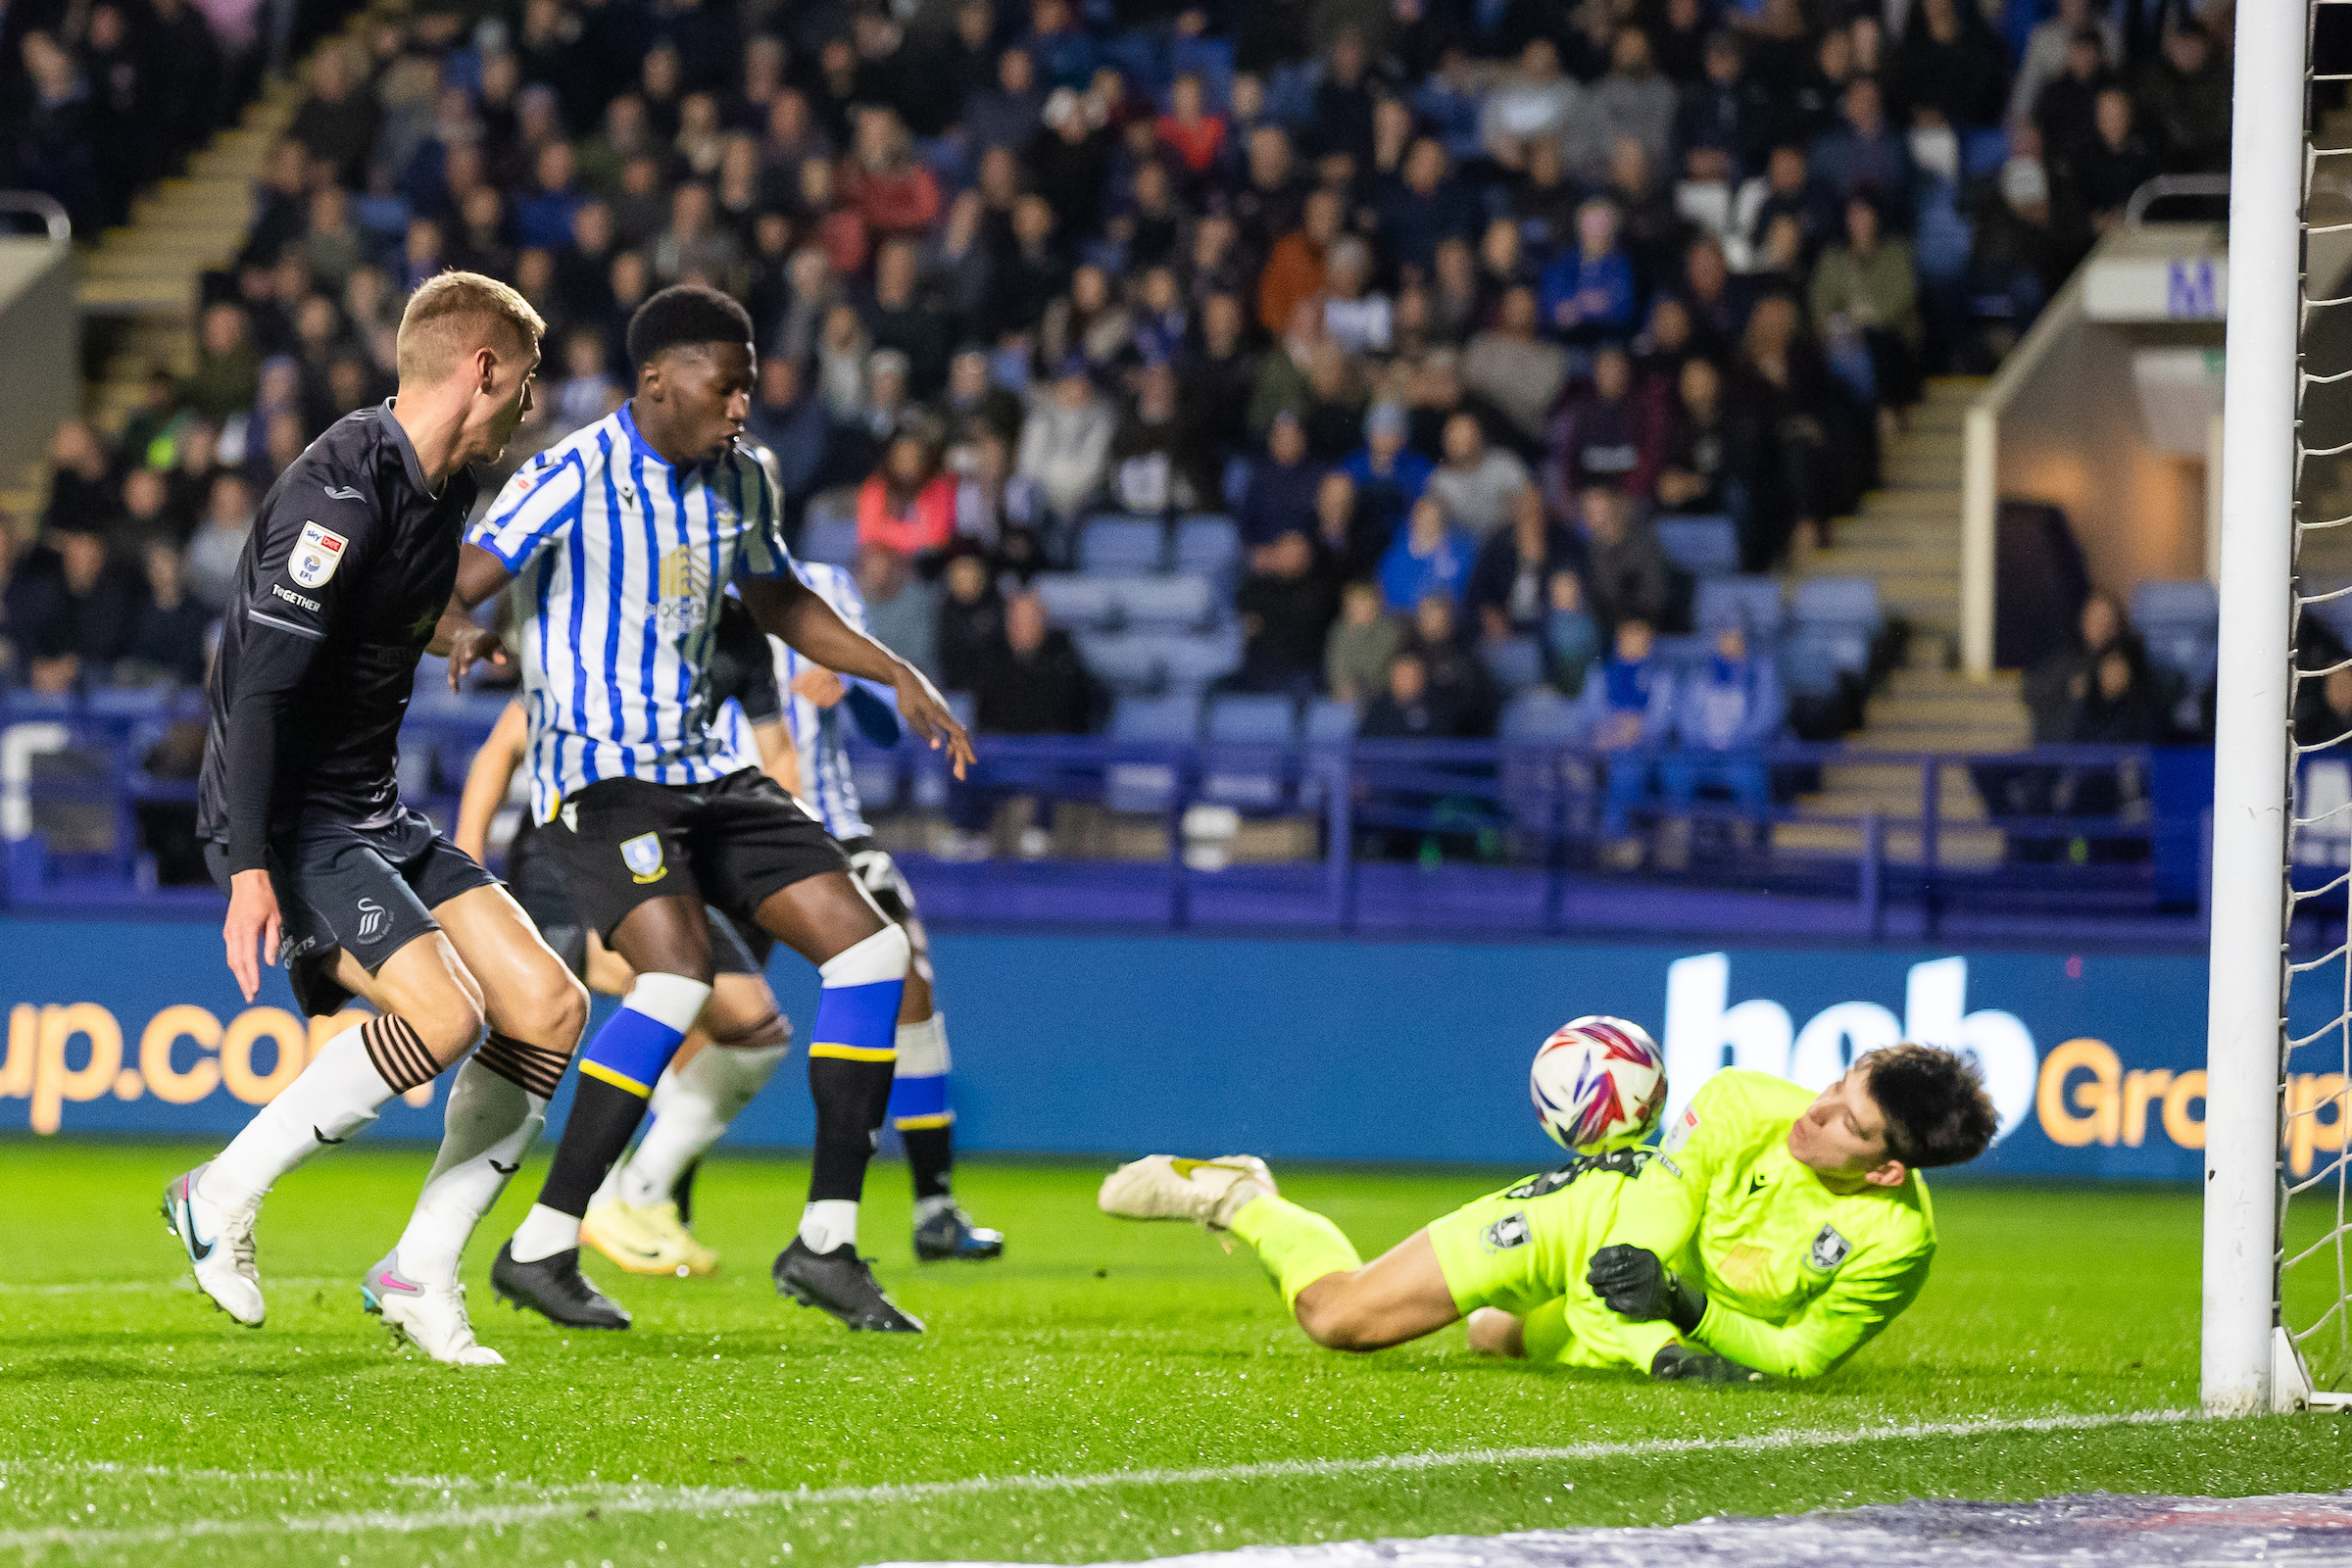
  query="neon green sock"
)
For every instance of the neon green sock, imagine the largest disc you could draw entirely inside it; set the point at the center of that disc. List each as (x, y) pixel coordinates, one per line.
(1298, 1245)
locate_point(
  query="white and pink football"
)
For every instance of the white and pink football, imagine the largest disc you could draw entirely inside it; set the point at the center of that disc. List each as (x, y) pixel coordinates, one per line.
(1597, 1083)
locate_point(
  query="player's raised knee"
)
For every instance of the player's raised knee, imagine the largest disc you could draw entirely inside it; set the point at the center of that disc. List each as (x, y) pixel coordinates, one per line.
(449, 1022)
(745, 1024)
(554, 1005)
(884, 956)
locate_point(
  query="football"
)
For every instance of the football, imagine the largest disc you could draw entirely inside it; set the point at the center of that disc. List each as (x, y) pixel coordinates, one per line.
(1597, 1083)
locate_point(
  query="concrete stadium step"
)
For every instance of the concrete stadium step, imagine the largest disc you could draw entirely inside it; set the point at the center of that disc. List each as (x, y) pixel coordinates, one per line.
(145, 273)
(1963, 848)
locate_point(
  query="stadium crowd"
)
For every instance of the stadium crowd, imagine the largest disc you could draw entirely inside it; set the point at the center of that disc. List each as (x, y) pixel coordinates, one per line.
(1446, 303)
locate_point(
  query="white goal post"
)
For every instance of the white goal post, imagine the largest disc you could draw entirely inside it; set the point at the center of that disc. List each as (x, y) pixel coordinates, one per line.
(2252, 777)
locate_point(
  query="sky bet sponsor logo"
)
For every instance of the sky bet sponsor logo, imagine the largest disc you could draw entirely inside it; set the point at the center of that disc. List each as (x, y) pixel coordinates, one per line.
(63, 1055)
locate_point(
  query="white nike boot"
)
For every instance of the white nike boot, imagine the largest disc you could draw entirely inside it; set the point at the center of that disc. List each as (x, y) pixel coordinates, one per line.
(431, 1317)
(1208, 1192)
(219, 1245)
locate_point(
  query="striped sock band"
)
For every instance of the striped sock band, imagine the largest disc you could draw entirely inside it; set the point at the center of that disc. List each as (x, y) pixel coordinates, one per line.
(395, 1052)
(533, 1069)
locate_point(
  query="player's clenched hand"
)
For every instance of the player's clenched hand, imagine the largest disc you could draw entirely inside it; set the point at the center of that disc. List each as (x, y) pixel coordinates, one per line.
(921, 706)
(468, 644)
(1633, 1283)
(820, 686)
(252, 918)
(1679, 1364)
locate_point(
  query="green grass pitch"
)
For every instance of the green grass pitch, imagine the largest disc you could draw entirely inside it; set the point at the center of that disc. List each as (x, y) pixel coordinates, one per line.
(1049, 1413)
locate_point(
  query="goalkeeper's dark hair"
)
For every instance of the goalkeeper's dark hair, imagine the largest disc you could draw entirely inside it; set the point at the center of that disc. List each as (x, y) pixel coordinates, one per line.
(1934, 1099)
(686, 316)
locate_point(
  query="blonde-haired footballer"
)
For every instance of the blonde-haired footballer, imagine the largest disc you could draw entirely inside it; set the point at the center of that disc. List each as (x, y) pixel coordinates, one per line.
(343, 579)
(1772, 1232)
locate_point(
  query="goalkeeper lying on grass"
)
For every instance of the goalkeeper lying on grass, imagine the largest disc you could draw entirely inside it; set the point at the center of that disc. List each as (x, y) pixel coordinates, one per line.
(1772, 1232)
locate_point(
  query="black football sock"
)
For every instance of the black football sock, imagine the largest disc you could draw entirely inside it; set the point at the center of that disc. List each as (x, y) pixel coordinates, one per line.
(604, 1118)
(930, 1158)
(682, 1192)
(849, 1099)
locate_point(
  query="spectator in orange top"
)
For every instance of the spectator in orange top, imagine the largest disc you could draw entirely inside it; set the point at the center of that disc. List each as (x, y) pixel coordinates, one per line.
(1294, 272)
(882, 183)
(907, 505)
(1189, 130)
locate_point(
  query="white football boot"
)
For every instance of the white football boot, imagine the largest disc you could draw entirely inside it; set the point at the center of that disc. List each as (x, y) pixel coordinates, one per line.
(1208, 1191)
(219, 1245)
(431, 1317)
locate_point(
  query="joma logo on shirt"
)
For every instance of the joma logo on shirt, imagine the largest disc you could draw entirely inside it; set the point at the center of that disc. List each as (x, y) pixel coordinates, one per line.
(293, 598)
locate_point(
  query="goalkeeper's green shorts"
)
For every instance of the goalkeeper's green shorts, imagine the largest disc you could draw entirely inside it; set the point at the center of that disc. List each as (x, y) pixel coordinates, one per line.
(1529, 1244)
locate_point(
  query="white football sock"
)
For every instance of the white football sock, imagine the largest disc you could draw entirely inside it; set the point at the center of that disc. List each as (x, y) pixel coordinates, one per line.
(336, 1095)
(543, 1232)
(691, 1107)
(928, 1209)
(829, 1223)
(490, 1124)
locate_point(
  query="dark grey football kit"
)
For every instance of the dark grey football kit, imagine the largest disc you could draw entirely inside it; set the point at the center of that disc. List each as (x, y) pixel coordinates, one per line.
(345, 574)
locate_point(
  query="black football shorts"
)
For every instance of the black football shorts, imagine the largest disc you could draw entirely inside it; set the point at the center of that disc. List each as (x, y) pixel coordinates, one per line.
(367, 891)
(622, 842)
(538, 882)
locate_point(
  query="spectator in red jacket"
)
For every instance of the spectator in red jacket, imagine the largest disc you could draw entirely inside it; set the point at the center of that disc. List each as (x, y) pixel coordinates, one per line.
(882, 183)
(907, 505)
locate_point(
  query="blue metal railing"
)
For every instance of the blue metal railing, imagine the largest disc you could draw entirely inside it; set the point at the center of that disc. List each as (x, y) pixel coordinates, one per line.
(1508, 831)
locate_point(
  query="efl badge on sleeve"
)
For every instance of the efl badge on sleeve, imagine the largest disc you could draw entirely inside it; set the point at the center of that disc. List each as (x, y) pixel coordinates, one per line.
(643, 857)
(1507, 1233)
(316, 554)
(1829, 1249)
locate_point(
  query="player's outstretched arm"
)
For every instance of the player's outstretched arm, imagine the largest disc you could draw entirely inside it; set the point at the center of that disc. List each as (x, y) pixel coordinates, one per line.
(790, 609)
(487, 778)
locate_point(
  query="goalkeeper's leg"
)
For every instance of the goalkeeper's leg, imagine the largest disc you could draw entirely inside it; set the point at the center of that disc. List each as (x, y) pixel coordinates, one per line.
(1342, 1302)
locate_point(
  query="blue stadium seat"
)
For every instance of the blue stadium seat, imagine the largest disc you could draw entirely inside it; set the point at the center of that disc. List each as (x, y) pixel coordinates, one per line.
(1149, 786)
(1837, 602)
(1541, 713)
(1330, 721)
(1679, 654)
(1076, 602)
(1756, 599)
(1253, 720)
(1196, 662)
(1209, 545)
(1122, 547)
(1516, 664)
(829, 539)
(1812, 658)
(128, 702)
(1704, 547)
(1249, 739)
(1127, 665)
(1164, 604)
(1174, 718)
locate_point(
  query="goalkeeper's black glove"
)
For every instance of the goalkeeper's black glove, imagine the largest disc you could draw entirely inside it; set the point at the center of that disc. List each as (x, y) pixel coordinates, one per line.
(1632, 1283)
(1679, 1364)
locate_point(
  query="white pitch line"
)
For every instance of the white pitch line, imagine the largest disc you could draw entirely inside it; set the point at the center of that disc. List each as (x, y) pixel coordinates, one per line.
(179, 1283)
(706, 1500)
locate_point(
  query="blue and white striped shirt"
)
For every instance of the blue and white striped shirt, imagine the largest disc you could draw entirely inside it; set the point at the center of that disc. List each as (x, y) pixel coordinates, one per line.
(817, 733)
(620, 562)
